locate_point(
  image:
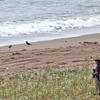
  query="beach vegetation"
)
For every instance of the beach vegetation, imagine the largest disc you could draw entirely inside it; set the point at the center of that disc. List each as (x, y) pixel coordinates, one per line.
(49, 84)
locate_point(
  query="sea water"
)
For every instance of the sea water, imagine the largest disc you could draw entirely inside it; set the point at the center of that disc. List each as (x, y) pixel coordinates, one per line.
(47, 19)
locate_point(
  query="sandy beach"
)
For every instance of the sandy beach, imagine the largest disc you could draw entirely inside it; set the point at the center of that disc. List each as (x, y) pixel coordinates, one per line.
(61, 53)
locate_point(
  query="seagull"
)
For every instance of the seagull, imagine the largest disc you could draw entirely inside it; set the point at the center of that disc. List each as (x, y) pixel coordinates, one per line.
(28, 43)
(9, 47)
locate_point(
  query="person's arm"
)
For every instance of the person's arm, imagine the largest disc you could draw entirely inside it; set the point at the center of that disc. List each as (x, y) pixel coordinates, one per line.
(95, 73)
(96, 70)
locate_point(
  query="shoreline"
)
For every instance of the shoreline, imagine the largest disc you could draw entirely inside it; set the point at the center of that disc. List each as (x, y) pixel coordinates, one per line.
(39, 37)
(55, 43)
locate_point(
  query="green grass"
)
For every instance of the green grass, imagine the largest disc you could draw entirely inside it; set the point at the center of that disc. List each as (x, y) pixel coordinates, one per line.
(49, 84)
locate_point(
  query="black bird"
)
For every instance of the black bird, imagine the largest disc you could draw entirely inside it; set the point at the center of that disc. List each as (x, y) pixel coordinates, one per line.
(9, 46)
(28, 43)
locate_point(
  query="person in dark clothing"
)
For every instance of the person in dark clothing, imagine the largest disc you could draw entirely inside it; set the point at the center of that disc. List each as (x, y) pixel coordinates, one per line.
(97, 76)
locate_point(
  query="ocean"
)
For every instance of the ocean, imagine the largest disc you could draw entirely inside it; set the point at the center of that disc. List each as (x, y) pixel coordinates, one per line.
(40, 20)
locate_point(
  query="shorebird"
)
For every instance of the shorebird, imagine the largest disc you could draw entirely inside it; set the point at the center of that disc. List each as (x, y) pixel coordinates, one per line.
(9, 47)
(28, 43)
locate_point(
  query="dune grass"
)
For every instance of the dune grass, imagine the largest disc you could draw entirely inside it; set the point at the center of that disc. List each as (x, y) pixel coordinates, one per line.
(49, 84)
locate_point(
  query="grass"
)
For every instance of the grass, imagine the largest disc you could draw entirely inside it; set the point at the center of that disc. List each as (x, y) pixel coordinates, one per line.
(49, 84)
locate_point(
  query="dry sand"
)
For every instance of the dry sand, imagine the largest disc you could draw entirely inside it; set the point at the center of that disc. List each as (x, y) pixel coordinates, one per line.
(61, 53)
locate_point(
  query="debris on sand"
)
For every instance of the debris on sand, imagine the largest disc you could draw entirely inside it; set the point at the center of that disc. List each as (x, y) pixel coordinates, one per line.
(88, 42)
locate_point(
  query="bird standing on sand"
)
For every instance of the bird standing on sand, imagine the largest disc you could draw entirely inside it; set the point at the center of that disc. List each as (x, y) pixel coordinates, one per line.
(28, 43)
(9, 47)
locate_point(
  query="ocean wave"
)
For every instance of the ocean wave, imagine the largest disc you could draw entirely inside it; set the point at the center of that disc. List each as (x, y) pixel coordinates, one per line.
(48, 25)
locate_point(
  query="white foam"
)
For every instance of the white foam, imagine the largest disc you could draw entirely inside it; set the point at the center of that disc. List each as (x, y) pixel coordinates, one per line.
(40, 26)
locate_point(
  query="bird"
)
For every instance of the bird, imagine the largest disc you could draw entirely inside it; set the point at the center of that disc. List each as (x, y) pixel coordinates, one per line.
(9, 47)
(28, 43)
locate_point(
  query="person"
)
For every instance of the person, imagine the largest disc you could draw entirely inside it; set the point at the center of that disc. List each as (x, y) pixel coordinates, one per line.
(96, 75)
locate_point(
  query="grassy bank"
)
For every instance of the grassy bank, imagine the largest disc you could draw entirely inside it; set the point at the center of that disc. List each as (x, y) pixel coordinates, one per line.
(49, 84)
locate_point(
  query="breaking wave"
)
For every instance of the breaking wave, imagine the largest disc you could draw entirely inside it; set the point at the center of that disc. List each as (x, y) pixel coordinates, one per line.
(47, 25)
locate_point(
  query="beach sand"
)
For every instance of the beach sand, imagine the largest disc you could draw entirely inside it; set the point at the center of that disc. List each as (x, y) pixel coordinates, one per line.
(61, 53)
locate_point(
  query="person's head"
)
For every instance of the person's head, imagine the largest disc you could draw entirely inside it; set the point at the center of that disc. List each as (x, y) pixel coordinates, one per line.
(97, 61)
